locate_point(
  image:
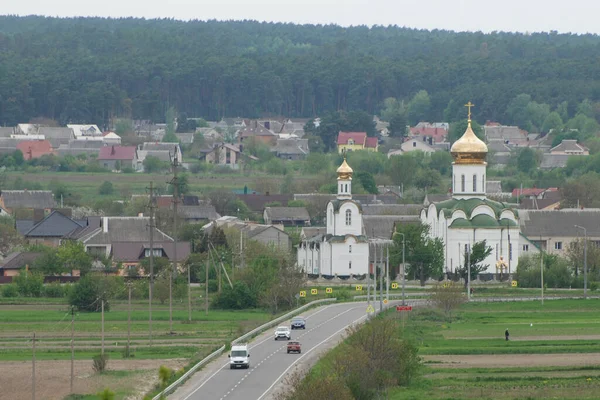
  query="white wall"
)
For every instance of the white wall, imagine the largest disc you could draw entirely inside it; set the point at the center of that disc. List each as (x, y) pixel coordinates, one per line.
(468, 171)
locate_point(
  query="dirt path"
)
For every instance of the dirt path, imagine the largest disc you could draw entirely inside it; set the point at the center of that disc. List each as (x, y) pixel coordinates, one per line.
(514, 360)
(527, 338)
(53, 378)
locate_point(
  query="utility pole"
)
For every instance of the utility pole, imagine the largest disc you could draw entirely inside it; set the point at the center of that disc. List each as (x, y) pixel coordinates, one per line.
(387, 273)
(369, 284)
(207, 266)
(72, 347)
(33, 367)
(152, 206)
(129, 320)
(542, 272)
(469, 271)
(403, 270)
(381, 284)
(175, 183)
(102, 327)
(584, 261)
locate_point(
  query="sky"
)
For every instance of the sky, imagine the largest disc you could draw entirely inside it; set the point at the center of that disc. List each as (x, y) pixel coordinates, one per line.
(576, 16)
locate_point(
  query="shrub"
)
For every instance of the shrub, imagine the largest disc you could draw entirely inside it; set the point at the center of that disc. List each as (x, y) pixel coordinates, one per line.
(10, 291)
(100, 362)
(164, 374)
(106, 188)
(238, 298)
(106, 394)
(54, 290)
(28, 284)
(87, 294)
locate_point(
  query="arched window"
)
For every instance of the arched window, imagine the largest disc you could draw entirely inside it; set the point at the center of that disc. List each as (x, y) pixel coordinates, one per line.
(474, 183)
(483, 183)
(349, 264)
(349, 248)
(330, 216)
(462, 183)
(348, 217)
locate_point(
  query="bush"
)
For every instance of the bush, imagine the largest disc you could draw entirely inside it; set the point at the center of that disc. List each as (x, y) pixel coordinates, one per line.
(87, 294)
(100, 362)
(213, 285)
(106, 188)
(164, 374)
(238, 298)
(106, 394)
(54, 290)
(29, 285)
(10, 291)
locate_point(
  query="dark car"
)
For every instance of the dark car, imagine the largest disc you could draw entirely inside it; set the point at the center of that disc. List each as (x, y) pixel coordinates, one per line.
(298, 323)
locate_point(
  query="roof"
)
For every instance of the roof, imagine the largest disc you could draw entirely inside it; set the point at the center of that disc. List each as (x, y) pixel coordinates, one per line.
(56, 133)
(309, 232)
(498, 146)
(371, 143)
(438, 134)
(12, 199)
(19, 259)
(124, 229)
(287, 213)
(34, 148)
(162, 155)
(24, 225)
(550, 161)
(539, 204)
(435, 198)
(257, 202)
(560, 223)
(382, 226)
(110, 135)
(292, 146)
(54, 225)
(85, 130)
(134, 251)
(492, 187)
(391, 209)
(207, 212)
(85, 144)
(255, 131)
(531, 191)
(162, 146)
(468, 205)
(569, 146)
(117, 153)
(358, 137)
(6, 131)
(502, 132)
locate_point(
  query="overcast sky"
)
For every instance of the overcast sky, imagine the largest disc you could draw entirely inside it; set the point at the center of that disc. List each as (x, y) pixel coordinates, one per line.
(577, 16)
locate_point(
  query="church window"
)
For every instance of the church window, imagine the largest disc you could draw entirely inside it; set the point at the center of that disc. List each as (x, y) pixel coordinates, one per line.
(496, 251)
(349, 264)
(462, 183)
(483, 183)
(525, 247)
(331, 216)
(510, 251)
(348, 217)
(346, 188)
(350, 248)
(474, 183)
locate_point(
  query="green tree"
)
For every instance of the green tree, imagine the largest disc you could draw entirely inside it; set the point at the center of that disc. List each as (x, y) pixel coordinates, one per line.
(526, 160)
(49, 263)
(87, 294)
(479, 252)
(418, 107)
(170, 138)
(170, 121)
(9, 239)
(552, 122)
(72, 256)
(367, 181)
(18, 157)
(398, 125)
(517, 110)
(441, 161)
(153, 165)
(106, 188)
(424, 255)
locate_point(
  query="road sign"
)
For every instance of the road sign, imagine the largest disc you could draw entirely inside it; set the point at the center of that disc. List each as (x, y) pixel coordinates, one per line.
(403, 308)
(358, 288)
(370, 309)
(513, 284)
(394, 285)
(303, 293)
(385, 301)
(328, 290)
(314, 291)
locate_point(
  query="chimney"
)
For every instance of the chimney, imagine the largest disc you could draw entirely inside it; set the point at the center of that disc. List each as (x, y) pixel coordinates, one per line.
(105, 224)
(140, 215)
(268, 124)
(112, 150)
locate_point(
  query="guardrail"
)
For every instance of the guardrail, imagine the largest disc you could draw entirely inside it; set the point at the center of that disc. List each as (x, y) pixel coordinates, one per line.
(279, 319)
(218, 352)
(183, 378)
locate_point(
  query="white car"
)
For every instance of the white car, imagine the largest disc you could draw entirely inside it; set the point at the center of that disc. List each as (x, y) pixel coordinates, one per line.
(239, 357)
(283, 332)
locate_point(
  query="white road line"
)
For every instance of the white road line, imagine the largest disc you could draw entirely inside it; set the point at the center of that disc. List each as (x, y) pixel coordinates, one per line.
(269, 338)
(305, 354)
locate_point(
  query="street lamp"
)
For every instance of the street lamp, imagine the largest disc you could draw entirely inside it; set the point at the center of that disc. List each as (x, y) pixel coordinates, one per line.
(584, 261)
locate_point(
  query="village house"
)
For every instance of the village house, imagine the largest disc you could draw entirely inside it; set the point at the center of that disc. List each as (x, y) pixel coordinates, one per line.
(286, 216)
(269, 235)
(118, 157)
(291, 149)
(226, 154)
(12, 200)
(258, 132)
(13, 263)
(354, 141)
(35, 148)
(86, 131)
(56, 136)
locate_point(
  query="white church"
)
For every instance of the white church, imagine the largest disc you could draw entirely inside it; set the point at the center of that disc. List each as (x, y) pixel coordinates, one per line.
(469, 217)
(343, 250)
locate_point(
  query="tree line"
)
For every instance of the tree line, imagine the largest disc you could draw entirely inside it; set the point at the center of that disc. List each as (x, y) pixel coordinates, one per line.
(93, 69)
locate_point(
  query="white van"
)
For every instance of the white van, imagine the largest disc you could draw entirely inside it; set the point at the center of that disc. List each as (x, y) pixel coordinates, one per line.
(239, 356)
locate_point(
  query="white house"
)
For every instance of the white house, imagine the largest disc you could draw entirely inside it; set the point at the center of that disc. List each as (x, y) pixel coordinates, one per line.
(469, 216)
(86, 132)
(342, 249)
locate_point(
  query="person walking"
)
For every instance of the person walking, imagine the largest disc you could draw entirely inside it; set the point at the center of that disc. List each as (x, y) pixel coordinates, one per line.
(506, 334)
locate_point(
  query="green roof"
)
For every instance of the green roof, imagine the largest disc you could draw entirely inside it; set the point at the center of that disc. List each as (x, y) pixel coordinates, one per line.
(468, 205)
(342, 238)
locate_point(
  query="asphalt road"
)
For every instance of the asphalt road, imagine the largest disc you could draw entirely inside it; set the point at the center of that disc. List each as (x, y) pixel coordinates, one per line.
(269, 361)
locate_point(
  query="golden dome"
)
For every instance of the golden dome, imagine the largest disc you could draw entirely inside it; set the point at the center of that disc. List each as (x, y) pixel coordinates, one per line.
(344, 171)
(469, 149)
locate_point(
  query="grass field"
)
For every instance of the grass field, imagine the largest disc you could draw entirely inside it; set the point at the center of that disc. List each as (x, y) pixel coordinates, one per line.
(543, 359)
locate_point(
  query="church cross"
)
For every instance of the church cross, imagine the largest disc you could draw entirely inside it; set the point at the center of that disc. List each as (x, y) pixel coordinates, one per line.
(469, 105)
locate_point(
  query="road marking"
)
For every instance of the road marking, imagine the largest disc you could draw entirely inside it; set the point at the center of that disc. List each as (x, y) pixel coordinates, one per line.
(269, 338)
(305, 354)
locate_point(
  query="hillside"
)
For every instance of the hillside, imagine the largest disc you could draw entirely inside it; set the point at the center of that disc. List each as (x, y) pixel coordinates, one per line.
(91, 69)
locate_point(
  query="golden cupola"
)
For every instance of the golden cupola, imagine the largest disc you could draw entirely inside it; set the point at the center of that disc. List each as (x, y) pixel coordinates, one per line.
(469, 149)
(344, 172)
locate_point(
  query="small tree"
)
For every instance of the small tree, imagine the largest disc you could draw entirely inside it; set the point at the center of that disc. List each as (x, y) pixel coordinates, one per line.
(106, 188)
(479, 252)
(100, 362)
(447, 297)
(164, 374)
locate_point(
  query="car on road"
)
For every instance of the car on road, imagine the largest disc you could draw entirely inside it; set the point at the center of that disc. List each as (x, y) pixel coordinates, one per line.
(294, 347)
(239, 357)
(283, 332)
(298, 323)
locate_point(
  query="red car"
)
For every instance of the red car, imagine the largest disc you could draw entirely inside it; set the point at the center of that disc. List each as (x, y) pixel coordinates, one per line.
(293, 347)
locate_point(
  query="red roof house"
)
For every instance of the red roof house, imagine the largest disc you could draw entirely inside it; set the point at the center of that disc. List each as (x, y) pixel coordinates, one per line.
(111, 155)
(437, 134)
(351, 141)
(34, 148)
